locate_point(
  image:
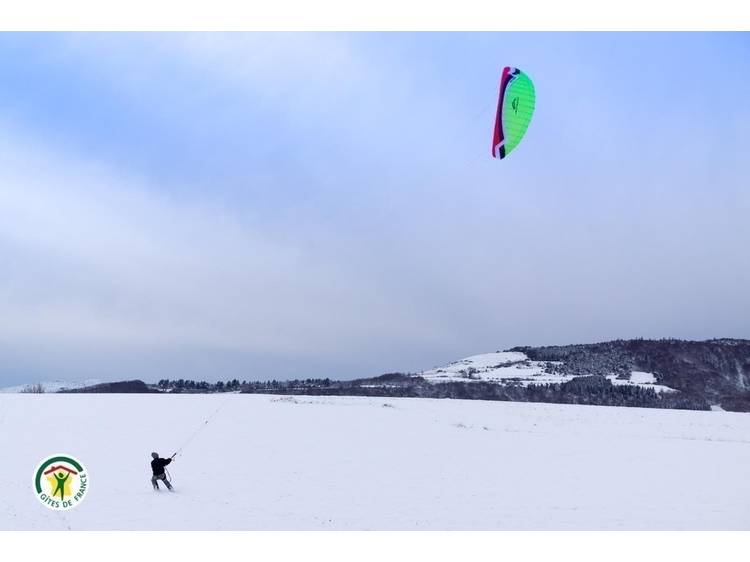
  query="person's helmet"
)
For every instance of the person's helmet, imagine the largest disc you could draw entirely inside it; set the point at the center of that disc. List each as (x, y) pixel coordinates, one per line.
(155, 455)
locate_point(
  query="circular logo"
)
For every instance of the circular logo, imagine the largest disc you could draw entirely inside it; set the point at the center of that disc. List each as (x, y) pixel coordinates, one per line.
(61, 482)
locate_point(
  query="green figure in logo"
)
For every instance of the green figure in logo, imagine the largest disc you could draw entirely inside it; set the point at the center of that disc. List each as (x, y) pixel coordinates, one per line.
(60, 484)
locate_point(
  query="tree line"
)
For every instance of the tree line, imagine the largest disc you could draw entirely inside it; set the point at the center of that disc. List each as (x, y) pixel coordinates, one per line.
(233, 385)
(592, 390)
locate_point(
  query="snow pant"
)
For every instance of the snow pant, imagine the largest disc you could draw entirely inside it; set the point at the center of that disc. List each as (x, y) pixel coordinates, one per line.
(163, 477)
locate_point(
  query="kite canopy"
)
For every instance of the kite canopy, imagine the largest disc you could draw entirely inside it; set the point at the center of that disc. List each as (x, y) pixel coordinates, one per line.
(515, 106)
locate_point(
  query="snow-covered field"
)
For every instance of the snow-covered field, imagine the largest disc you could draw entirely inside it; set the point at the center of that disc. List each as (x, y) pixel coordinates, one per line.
(265, 462)
(513, 366)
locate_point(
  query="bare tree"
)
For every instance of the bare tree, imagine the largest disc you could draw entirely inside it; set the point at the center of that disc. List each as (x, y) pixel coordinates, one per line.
(35, 388)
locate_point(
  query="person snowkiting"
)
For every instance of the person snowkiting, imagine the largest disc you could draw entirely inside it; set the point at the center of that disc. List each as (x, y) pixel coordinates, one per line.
(157, 467)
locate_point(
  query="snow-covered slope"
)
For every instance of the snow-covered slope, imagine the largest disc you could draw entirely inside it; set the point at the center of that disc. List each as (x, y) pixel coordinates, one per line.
(265, 462)
(51, 386)
(515, 367)
(495, 367)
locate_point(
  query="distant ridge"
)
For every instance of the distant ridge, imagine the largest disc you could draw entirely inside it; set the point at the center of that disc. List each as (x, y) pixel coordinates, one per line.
(714, 369)
(664, 373)
(122, 387)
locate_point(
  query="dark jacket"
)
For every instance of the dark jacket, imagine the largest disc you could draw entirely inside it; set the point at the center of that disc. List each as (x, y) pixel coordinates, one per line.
(157, 465)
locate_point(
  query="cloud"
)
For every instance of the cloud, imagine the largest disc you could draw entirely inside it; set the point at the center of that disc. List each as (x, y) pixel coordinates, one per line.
(98, 259)
(104, 256)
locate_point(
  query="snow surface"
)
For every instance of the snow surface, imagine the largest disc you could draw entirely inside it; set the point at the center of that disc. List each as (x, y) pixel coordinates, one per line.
(515, 367)
(639, 377)
(269, 462)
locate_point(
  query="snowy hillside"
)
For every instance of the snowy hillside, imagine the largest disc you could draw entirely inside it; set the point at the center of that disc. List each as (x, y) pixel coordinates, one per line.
(269, 462)
(50, 386)
(516, 367)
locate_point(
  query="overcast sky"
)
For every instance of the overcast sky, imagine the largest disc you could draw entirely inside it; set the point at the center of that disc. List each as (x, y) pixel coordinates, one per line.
(300, 205)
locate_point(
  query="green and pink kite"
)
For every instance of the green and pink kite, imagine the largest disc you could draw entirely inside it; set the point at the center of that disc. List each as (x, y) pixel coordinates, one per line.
(515, 106)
